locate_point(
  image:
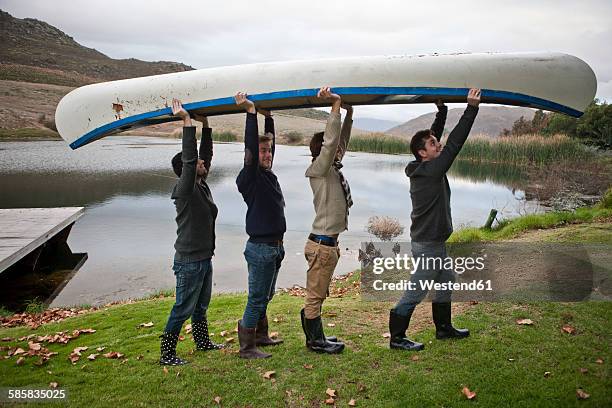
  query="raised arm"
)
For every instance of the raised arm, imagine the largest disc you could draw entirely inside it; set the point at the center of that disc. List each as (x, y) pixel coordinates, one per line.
(189, 153)
(206, 143)
(269, 128)
(331, 138)
(251, 139)
(345, 134)
(438, 126)
(458, 136)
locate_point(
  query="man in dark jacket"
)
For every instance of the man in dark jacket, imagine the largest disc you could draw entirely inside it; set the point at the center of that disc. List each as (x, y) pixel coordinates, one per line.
(265, 225)
(195, 242)
(431, 222)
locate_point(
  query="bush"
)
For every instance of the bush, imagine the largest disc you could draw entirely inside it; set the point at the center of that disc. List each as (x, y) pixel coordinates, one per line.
(384, 228)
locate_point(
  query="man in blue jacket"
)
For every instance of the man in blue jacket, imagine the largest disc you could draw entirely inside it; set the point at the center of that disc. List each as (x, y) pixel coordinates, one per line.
(265, 225)
(431, 222)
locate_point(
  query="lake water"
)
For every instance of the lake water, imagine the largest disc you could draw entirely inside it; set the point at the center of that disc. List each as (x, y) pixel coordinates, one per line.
(128, 228)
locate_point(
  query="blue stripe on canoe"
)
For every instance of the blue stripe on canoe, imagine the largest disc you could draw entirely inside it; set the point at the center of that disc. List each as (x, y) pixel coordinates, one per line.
(511, 96)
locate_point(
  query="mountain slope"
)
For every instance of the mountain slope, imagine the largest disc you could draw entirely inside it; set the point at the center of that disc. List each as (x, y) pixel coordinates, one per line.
(32, 43)
(491, 120)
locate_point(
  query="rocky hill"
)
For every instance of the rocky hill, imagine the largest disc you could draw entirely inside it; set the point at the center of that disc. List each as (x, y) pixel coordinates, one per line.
(38, 52)
(491, 120)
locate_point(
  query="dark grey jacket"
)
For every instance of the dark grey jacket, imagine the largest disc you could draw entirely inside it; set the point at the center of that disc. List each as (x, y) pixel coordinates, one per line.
(429, 189)
(196, 211)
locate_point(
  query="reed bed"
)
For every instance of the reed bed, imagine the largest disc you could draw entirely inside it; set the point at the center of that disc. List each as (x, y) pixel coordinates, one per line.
(379, 143)
(527, 149)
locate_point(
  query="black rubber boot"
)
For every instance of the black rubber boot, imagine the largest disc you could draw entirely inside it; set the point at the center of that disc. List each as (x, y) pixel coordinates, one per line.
(200, 337)
(332, 339)
(442, 319)
(262, 338)
(248, 349)
(168, 350)
(397, 328)
(315, 339)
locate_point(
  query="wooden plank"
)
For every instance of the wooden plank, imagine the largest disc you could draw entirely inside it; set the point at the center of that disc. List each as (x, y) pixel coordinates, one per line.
(22, 230)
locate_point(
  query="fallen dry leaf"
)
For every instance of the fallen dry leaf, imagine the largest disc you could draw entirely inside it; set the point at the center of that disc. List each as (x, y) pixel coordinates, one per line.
(100, 348)
(188, 328)
(165, 370)
(468, 394)
(18, 351)
(53, 384)
(113, 354)
(599, 361)
(230, 340)
(546, 374)
(580, 394)
(92, 357)
(308, 366)
(361, 387)
(276, 320)
(139, 357)
(7, 339)
(78, 350)
(20, 361)
(331, 393)
(34, 346)
(414, 358)
(527, 322)
(269, 374)
(273, 335)
(386, 335)
(568, 329)
(74, 357)
(223, 333)
(331, 324)
(584, 370)
(330, 401)
(149, 324)
(217, 400)
(352, 403)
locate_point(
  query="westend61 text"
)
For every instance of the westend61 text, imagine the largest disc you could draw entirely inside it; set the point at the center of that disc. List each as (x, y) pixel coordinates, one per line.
(405, 262)
(475, 285)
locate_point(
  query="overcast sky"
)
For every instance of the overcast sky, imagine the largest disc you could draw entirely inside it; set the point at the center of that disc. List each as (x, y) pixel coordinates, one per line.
(209, 34)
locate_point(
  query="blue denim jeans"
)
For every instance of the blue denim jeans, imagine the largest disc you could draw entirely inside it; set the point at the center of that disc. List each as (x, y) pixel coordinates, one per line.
(193, 290)
(411, 298)
(264, 262)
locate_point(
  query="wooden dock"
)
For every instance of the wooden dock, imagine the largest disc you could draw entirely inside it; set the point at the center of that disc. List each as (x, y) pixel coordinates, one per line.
(24, 232)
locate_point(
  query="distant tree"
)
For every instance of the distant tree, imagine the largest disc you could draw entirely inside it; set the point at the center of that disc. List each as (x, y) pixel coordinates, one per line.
(561, 124)
(594, 127)
(528, 127)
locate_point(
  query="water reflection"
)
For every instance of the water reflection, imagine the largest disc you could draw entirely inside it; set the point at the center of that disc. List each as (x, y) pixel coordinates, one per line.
(128, 228)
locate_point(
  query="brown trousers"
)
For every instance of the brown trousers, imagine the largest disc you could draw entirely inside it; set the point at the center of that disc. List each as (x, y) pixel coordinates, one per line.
(322, 261)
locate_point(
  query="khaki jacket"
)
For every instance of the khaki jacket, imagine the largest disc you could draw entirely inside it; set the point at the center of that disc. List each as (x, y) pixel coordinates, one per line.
(331, 215)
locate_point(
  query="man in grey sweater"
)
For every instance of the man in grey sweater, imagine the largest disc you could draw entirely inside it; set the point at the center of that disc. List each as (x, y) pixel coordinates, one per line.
(195, 242)
(431, 222)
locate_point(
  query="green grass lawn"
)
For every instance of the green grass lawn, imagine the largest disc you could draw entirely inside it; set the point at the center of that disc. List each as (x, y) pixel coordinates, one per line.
(505, 363)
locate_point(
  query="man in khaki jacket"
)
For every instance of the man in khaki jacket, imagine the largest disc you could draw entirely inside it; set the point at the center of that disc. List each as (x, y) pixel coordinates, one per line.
(332, 199)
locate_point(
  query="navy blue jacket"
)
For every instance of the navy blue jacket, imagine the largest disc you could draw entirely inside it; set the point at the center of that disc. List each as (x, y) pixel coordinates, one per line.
(265, 217)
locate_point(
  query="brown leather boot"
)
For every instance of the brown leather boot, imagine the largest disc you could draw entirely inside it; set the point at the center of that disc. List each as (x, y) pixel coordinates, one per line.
(261, 334)
(248, 349)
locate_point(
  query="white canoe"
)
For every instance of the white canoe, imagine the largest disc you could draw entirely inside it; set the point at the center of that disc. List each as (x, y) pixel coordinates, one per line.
(550, 81)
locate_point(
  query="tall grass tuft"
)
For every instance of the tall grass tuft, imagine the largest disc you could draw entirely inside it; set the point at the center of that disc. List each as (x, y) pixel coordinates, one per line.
(224, 136)
(526, 149)
(379, 143)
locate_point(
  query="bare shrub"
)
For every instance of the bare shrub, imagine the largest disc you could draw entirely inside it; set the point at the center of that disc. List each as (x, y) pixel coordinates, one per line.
(49, 123)
(384, 228)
